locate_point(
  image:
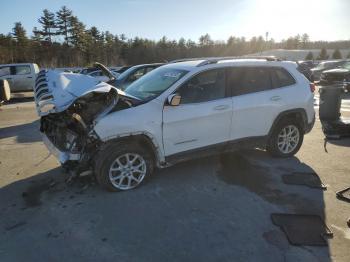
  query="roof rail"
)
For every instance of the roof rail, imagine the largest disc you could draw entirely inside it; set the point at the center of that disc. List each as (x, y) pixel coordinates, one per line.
(215, 60)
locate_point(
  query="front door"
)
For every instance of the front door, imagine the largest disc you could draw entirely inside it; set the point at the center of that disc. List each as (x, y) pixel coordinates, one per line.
(203, 117)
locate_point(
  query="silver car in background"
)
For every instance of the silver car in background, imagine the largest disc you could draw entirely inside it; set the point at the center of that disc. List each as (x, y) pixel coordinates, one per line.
(20, 77)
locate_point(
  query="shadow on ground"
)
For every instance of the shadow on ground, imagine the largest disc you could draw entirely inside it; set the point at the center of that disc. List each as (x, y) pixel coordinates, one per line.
(210, 209)
(24, 133)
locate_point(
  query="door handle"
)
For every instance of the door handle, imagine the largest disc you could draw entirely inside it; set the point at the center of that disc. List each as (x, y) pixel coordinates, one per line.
(221, 107)
(29, 77)
(275, 98)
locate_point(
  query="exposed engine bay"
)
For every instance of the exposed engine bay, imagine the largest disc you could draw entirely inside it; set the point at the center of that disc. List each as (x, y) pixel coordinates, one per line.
(70, 128)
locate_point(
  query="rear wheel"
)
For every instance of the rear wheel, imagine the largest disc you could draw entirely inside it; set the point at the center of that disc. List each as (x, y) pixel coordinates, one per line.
(286, 139)
(122, 166)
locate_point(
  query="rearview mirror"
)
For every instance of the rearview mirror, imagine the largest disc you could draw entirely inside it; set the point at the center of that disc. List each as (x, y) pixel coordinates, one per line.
(174, 99)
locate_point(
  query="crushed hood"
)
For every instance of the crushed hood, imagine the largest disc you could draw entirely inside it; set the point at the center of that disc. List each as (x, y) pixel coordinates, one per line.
(55, 91)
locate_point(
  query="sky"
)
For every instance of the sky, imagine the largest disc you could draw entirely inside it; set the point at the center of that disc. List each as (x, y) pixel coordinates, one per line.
(320, 19)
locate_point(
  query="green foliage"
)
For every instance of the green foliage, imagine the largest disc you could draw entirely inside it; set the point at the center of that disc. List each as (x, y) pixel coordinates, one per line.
(309, 56)
(62, 40)
(48, 24)
(336, 54)
(63, 23)
(323, 54)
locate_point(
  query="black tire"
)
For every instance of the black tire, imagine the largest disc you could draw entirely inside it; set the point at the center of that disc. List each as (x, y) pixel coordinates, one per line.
(5, 92)
(272, 145)
(109, 153)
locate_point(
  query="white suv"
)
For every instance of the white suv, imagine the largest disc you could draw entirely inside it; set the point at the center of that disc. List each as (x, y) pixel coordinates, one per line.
(178, 111)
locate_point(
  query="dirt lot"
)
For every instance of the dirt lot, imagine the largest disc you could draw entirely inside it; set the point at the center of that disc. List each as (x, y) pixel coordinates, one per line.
(212, 209)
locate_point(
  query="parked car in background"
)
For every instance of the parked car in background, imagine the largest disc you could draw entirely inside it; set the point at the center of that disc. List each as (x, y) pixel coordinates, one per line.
(326, 65)
(121, 69)
(308, 63)
(20, 77)
(337, 75)
(305, 70)
(100, 75)
(132, 74)
(176, 112)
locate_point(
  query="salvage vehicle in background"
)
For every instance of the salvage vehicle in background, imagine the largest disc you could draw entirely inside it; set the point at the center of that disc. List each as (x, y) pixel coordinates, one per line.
(326, 65)
(99, 74)
(20, 77)
(337, 75)
(178, 111)
(132, 74)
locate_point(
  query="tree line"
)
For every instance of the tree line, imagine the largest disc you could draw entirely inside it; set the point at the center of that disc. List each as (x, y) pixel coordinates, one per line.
(62, 40)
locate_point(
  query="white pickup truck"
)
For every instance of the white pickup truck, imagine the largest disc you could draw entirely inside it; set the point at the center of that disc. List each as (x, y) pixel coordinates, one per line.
(20, 77)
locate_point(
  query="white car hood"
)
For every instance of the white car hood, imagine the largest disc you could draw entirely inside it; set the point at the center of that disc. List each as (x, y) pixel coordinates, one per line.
(55, 91)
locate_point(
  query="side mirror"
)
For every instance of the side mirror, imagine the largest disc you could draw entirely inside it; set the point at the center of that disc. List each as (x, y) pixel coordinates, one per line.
(174, 99)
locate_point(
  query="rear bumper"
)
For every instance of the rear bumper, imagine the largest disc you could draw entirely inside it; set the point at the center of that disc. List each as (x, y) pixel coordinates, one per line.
(310, 125)
(62, 156)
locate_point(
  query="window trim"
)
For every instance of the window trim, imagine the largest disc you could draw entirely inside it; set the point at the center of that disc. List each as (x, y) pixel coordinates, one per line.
(286, 71)
(200, 72)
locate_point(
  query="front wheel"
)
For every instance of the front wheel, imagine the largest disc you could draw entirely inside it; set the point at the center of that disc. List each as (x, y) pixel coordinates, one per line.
(286, 139)
(121, 167)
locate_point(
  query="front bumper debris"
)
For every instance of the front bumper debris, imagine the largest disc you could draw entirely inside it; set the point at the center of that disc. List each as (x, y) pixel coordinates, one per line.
(62, 156)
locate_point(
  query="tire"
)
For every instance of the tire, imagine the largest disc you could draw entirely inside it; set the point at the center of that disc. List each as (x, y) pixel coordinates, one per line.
(106, 160)
(5, 92)
(285, 147)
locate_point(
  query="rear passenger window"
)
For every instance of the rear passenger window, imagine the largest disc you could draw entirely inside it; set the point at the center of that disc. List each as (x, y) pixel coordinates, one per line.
(206, 86)
(247, 80)
(281, 78)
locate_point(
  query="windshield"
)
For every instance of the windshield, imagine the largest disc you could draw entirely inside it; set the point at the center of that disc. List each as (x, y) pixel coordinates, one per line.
(155, 83)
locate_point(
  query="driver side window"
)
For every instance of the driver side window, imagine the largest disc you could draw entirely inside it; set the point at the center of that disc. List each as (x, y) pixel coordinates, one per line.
(206, 86)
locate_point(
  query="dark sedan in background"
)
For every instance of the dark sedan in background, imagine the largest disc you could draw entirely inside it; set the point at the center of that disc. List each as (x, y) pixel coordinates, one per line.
(337, 75)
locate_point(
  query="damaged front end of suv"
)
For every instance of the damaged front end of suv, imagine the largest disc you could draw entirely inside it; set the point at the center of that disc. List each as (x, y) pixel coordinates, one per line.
(69, 106)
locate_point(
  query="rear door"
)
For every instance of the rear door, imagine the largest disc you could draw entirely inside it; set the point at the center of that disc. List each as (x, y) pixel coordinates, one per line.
(203, 117)
(22, 79)
(255, 102)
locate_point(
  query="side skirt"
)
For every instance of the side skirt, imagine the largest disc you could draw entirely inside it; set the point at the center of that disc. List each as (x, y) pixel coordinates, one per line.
(229, 146)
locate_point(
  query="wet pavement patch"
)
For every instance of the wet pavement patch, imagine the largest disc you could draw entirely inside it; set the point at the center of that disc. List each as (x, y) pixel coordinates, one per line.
(301, 229)
(237, 170)
(32, 196)
(304, 179)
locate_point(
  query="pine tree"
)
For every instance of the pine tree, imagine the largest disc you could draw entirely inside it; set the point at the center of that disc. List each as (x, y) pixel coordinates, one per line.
(63, 22)
(48, 24)
(336, 54)
(304, 41)
(323, 54)
(77, 32)
(19, 34)
(309, 56)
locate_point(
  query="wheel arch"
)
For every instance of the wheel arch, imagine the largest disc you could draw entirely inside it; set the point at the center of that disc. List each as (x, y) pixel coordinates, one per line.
(144, 140)
(298, 114)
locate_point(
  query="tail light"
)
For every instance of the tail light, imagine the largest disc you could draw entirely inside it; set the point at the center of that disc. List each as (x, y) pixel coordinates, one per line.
(312, 87)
